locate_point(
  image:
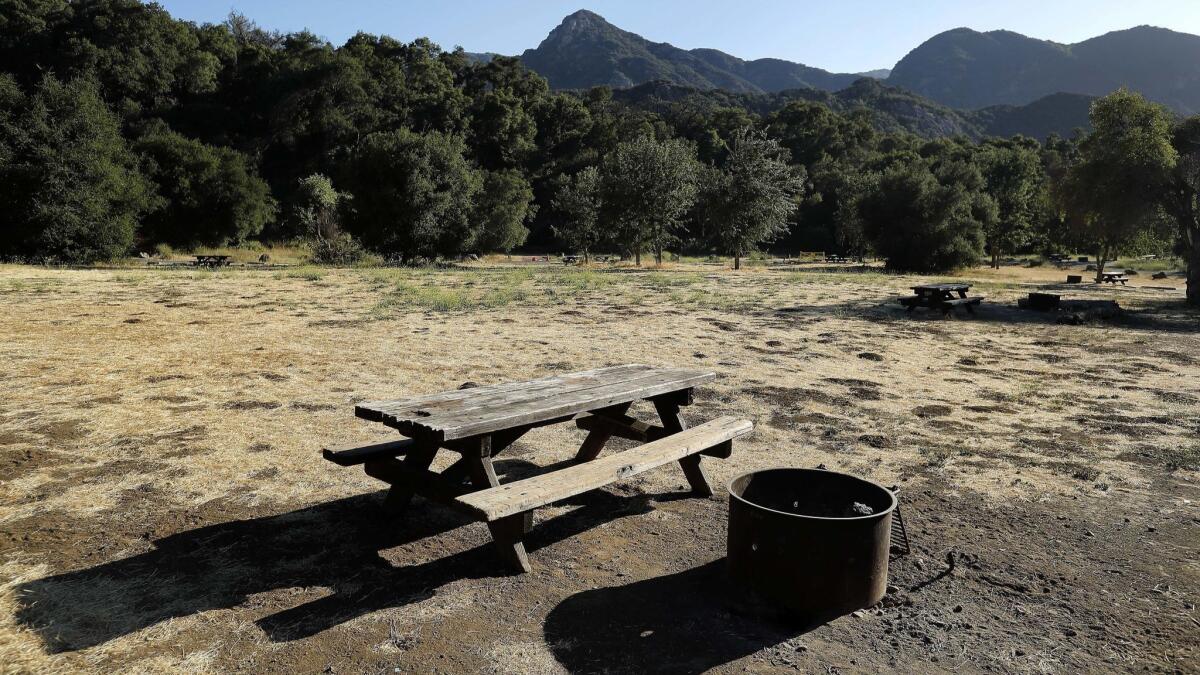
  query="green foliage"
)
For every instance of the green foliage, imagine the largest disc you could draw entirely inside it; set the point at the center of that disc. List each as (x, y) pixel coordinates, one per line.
(1013, 177)
(1127, 158)
(143, 58)
(318, 213)
(648, 187)
(211, 196)
(578, 202)
(920, 224)
(501, 211)
(69, 185)
(750, 199)
(1180, 198)
(414, 194)
(436, 154)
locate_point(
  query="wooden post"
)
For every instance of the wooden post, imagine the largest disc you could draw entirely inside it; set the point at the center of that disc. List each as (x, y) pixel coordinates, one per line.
(594, 443)
(673, 423)
(509, 533)
(418, 459)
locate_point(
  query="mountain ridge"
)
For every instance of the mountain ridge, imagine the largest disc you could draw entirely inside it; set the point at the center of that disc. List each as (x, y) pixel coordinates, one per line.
(961, 67)
(970, 69)
(585, 50)
(891, 109)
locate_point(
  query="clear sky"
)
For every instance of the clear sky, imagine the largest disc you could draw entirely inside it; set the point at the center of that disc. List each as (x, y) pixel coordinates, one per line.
(838, 35)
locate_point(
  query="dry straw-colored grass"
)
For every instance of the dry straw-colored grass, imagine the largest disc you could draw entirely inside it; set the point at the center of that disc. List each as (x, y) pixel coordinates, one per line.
(140, 404)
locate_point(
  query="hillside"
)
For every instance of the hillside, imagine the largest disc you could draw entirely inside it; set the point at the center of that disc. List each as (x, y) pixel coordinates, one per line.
(892, 109)
(586, 51)
(964, 68)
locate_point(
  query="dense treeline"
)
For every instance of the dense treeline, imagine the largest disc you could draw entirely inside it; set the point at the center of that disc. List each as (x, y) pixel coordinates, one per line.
(122, 128)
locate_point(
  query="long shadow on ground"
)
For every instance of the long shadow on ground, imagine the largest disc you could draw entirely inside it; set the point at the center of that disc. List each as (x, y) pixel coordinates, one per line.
(1166, 316)
(687, 622)
(334, 545)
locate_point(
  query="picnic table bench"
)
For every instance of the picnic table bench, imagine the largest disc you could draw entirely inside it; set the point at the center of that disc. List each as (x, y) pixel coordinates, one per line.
(212, 260)
(481, 422)
(1114, 277)
(941, 296)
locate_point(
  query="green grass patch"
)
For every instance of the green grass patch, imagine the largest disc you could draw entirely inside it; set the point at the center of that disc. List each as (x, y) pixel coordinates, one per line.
(408, 296)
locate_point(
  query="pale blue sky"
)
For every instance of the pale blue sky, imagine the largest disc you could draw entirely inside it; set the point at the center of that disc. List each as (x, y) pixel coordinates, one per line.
(838, 35)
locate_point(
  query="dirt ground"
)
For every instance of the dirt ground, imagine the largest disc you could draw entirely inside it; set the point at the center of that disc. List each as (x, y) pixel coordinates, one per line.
(163, 506)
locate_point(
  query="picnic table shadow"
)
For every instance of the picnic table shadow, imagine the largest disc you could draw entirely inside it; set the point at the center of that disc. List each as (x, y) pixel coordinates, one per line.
(333, 545)
(1166, 316)
(688, 622)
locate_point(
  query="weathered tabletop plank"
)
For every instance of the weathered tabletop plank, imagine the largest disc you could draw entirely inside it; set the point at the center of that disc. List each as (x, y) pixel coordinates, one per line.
(942, 288)
(460, 399)
(484, 410)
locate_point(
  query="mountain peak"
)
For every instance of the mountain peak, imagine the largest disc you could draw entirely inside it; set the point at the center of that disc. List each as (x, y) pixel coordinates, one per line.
(582, 21)
(585, 50)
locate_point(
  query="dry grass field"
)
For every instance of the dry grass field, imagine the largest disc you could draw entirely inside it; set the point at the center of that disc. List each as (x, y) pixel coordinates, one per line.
(163, 506)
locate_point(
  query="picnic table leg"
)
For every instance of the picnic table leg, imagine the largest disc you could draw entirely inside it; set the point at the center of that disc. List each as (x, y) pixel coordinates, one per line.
(673, 423)
(594, 443)
(461, 469)
(509, 533)
(418, 459)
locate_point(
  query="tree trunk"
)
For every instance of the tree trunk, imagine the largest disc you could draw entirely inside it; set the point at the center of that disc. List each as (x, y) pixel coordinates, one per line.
(995, 259)
(737, 262)
(1101, 258)
(637, 257)
(586, 259)
(658, 256)
(1193, 270)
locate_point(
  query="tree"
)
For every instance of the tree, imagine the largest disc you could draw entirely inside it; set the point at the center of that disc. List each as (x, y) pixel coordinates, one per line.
(318, 209)
(753, 195)
(578, 201)
(648, 187)
(849, 231)
(503, 207)
(211, 196)
(414, 194)
(1013, 177)
(144, 59)
(1181, 198)
(920, 224)
(69, 186)
(1108, 194)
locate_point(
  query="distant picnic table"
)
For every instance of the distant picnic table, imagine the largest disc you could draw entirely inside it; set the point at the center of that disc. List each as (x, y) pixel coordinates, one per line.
(479, 423)
(1114, 277)
(941, 296)
(212, 260)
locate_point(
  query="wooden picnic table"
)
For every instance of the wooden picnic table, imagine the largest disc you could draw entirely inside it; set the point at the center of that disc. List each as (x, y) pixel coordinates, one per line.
(1114, 277)
(481, 422)
(212, 260)
(941, 296)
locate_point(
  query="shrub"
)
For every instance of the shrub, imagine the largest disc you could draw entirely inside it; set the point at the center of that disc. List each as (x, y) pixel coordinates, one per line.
(69, 186)
(414, 194)
(211, 196)
(340, 249)
(921, 225)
